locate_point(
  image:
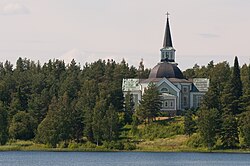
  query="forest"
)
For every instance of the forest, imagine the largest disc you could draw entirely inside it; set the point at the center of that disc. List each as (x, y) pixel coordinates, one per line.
(63, 105)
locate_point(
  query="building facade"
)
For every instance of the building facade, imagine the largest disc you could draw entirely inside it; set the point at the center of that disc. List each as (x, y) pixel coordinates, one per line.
(177, 92)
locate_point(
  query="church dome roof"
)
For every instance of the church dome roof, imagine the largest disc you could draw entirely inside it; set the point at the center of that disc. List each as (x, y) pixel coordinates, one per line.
(167, 70)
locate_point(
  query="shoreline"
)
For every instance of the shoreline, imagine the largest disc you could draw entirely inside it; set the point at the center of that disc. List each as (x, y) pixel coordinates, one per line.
(28, 149)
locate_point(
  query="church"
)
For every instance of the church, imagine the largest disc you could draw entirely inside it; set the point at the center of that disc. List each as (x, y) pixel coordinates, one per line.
(177, 92)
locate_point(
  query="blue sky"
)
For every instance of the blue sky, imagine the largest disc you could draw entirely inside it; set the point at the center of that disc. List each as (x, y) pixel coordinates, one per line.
(88, 30)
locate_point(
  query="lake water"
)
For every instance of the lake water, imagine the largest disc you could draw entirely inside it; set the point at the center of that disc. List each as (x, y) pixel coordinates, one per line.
(122, 159)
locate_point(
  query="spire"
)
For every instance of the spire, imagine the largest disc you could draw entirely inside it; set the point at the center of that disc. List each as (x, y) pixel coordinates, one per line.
(167, 38)
(167, 52)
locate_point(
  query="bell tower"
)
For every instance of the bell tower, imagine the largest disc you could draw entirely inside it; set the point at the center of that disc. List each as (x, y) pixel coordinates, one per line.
(167, 52)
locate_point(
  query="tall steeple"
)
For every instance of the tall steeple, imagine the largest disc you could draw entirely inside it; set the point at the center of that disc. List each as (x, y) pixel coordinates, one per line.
(167, 52)
(167, 38)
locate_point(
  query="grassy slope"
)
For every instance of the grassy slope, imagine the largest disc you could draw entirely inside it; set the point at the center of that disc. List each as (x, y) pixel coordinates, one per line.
(162, 136)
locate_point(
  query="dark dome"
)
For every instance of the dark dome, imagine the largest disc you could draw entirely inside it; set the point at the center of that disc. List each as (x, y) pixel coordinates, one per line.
(167, 70)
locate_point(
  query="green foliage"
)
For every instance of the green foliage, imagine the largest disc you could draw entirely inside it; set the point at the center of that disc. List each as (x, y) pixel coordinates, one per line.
(135, 123)
(98, 123)
(155, 130)
(129, 108)
(229, 131)
(195, 141)
(129, 146)
(150, 104)
(208, 125)
(22, 126)
(3, 125)
(60, 104)
(245, 77)
(47, 131)
(118, 145)
(189, 123)
(218, 75)
(244, 123)
(236, 79)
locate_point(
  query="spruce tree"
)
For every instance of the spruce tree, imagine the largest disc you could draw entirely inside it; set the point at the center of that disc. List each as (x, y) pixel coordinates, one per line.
(111, 126)
(189, 123)
(48, 129)
(3, 125)
(245, 99)
(151, 102)
(229, 131)
(244, 125)
(22, 126)
(129, 107)
(236, 88)
(98, 122)
(207, 126)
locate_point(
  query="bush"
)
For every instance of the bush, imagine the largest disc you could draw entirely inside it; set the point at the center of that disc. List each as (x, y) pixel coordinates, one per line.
(63, 144)
(195, 141)
(22, 126)
(129, 146)
(118, 145)
(161, 131)
(73, 145)
(88, 145)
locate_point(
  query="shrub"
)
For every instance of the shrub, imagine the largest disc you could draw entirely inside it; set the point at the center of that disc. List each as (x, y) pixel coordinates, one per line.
(118, 145)
(195, 141)
(73, 145)
(88, 145)
(129, 146)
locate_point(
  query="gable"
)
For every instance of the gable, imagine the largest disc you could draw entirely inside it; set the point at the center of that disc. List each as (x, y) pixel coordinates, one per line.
(166, 86)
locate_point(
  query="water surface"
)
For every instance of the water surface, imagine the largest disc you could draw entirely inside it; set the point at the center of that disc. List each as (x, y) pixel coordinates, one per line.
(122, 159)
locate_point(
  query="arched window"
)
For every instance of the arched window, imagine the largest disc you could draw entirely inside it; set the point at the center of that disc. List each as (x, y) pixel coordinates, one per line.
(164, 90)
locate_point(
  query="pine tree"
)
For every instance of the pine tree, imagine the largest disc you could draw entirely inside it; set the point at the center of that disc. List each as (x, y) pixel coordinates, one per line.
(244, 125)
(245, 99)
(98, 123)
(207, 126)
(228, 99)
(111, 126)
(236, 86)
(189, 123)
(48, 129)
(22, 126)
(3, 125)
(229, 131)
(129, 108)
(151, 102)
(219, 75)
(236, 80)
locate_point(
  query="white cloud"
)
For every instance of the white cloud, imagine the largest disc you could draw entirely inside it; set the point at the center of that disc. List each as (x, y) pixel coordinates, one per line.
(14, 9)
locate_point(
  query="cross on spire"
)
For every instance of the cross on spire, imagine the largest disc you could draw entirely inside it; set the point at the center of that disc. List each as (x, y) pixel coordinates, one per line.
(167, 14)
(167, 38)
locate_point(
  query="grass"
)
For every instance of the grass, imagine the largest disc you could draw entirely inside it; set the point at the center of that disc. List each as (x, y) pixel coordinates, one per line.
(162, 136)
(173, 144)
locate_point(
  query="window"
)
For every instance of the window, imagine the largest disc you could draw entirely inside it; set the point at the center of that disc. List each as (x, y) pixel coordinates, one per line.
(199, 98)
(166, 104)
(164, 90)
(185, 89)
(184, 101)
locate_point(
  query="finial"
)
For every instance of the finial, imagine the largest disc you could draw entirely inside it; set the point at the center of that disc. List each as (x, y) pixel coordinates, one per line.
(167, 14)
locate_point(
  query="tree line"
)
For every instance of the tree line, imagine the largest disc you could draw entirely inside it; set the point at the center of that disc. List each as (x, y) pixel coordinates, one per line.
(57, 102)
(224, 115)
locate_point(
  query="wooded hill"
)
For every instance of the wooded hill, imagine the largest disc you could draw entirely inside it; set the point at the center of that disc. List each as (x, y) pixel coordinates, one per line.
(54, 103)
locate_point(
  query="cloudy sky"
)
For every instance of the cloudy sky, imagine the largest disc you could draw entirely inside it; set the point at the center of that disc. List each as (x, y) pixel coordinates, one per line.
(87, 30)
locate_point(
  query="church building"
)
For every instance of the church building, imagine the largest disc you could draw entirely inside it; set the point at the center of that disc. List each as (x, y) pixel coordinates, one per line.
(177, 92)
